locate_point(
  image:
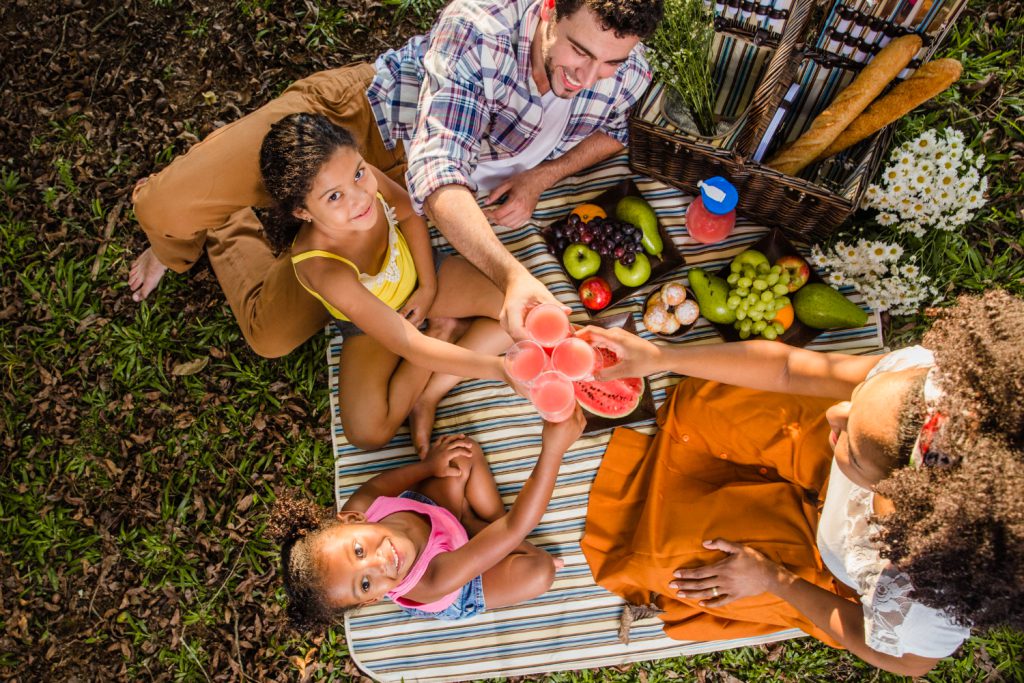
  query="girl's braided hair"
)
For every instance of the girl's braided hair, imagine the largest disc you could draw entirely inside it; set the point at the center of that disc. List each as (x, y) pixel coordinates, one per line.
(295, 524)
(291, 156)
(958, 529)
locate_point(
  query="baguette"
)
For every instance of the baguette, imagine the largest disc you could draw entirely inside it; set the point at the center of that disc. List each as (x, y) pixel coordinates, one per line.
(927, 82)
(848, 104)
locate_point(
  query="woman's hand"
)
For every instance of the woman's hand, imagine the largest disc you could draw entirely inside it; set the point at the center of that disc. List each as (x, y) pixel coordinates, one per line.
(744, 572)
(418, 304)
(637, 357)
(448, 455)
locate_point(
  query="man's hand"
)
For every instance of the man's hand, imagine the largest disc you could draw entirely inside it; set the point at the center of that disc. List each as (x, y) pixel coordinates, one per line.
(523, 293)
(521, 193)
(637, 357)
(743, 573)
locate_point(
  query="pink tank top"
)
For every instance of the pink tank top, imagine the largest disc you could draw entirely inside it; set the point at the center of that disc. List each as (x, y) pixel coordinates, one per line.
(446, 534)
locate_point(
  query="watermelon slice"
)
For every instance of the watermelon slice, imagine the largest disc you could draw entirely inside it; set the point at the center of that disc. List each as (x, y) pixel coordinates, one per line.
(612, 399)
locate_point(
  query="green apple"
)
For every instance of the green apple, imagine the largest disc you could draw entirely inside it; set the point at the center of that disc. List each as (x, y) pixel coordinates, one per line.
(635, 274)
(580, 261)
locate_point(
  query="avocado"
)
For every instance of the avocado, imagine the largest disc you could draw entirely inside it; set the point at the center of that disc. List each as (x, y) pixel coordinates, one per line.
(821, 307)
(711, 292)
(636, 211)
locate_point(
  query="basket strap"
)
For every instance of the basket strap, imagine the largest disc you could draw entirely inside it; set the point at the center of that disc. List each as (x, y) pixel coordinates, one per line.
(776, 79)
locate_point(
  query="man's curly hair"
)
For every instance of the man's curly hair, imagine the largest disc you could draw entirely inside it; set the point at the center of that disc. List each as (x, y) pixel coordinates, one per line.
(958, 529)
(295, 524)
(625, 17)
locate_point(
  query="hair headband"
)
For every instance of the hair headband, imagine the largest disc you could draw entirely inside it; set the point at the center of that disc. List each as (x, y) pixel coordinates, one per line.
(923, 453)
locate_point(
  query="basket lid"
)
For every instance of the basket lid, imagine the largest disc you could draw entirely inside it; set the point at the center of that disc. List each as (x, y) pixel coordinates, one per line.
(718, 194)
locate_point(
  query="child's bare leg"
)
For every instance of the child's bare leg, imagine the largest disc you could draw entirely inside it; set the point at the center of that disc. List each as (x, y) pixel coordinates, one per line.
(485, 336)
(377, 389)
(524, 574)
(473, 495)
(464, 292)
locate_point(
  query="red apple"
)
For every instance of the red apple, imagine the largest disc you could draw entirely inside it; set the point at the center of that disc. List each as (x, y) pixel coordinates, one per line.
(797, 269)
(595, 293)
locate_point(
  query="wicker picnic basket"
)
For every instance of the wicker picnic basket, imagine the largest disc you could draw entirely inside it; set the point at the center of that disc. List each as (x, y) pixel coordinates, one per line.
(821, 198)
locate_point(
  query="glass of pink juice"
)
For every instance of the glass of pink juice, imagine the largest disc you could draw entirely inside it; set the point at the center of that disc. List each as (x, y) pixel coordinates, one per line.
(547, 324)
(524, 361)
(574, 358)
(553, 396)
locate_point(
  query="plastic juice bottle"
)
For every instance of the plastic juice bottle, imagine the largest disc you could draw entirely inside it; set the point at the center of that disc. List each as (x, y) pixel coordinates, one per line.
(547, 324)
(712, 215)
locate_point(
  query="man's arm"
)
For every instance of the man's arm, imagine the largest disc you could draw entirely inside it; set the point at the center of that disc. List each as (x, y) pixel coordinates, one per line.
(523, 191)
(454, 210)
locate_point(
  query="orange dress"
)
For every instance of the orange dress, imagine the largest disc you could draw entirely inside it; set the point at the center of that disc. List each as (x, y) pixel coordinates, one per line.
(747, 466)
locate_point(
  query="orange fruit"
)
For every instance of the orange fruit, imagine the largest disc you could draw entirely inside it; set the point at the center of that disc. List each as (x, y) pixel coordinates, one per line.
(784, 316)
(586, 212)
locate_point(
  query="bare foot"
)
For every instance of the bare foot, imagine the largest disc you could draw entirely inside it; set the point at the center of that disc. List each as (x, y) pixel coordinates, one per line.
(421, 425)
(145, 274)
(558, 562)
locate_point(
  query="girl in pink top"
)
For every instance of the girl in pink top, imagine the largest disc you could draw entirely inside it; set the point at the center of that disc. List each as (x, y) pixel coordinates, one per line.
(433, 536)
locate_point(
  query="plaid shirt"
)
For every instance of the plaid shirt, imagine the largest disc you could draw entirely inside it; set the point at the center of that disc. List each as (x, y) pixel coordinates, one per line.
(464, 93)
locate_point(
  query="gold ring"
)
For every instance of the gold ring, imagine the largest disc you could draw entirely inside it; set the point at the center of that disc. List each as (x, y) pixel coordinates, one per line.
(714, 591)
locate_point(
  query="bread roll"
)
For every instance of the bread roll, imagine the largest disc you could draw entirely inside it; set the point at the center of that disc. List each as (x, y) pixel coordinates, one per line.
(927, 82)
(848, 104)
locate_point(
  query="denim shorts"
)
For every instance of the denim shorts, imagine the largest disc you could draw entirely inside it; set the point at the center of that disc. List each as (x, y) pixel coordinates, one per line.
(347, 328)
(470, 600)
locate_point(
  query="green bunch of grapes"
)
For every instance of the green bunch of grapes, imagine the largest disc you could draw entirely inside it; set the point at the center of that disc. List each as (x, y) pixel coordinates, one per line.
(756, 293)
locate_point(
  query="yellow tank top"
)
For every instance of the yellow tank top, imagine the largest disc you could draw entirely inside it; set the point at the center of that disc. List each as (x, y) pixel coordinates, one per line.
(396, 279)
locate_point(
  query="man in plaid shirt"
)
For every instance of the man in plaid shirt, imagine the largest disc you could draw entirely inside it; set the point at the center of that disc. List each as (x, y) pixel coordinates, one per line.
(502, 98)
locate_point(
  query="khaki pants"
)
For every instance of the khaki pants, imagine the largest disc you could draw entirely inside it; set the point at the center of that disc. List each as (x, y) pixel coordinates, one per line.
(205, 197)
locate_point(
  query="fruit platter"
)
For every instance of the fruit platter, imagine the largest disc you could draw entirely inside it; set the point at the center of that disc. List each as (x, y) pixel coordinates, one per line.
(612, 246)
(616, 402)
(769, 291)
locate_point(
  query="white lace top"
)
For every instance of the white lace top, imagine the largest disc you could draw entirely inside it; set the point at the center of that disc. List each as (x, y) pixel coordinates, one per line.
(893, 623)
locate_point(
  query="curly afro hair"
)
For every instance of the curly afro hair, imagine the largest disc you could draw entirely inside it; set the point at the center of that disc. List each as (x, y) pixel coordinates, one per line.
(625, 17)
(295, 524)
(291, 156)
(958, 529)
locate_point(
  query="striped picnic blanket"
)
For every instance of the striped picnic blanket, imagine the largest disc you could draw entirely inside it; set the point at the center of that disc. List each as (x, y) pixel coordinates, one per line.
(574, 625)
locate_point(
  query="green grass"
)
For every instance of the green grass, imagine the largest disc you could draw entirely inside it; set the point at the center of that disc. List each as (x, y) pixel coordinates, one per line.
(119, 473)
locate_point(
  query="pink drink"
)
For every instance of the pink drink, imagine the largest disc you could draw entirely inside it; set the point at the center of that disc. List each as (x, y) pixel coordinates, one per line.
(547, 324)
(553, 396)
(524, 361)
(574, 358)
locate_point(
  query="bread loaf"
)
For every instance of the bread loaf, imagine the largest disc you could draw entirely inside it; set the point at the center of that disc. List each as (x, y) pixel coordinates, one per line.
(927, 82)
(848, 104)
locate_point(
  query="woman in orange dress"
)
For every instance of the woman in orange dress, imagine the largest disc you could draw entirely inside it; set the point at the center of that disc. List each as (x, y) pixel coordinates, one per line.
(875, 524)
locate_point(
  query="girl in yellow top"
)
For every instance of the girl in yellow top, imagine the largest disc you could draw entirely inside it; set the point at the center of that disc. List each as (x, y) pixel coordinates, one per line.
(359, 248)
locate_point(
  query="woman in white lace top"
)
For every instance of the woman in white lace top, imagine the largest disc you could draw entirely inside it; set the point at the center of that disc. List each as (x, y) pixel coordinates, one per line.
(924, 512)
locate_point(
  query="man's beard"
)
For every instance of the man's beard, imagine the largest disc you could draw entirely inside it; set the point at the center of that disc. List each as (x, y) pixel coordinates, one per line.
(549, 72)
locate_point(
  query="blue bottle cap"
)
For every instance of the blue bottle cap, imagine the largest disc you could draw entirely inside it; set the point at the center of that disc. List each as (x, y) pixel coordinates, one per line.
(718, 194)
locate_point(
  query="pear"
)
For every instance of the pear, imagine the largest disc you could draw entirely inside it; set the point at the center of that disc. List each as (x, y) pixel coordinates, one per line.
(711, 292)
(823, 308)
(636, 211)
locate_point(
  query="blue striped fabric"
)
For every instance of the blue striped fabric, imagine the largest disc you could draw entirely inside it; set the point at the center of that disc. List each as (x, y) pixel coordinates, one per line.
(574, 625)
